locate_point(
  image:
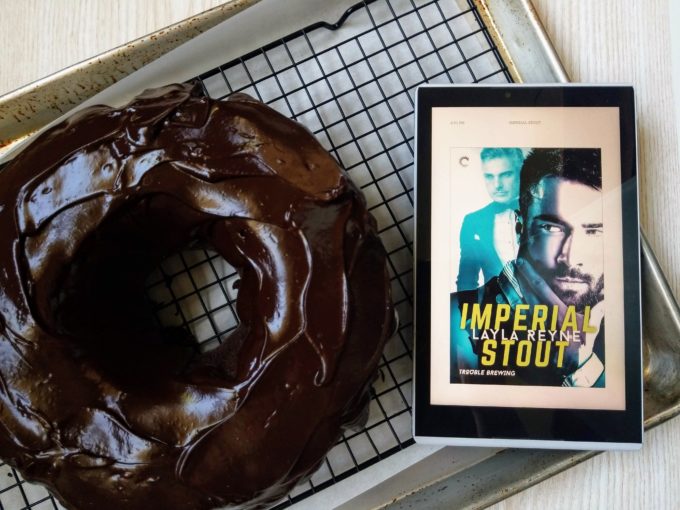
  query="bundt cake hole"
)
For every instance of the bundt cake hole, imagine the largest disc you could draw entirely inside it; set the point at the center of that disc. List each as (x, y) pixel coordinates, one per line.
(146, 291)
(195, 290)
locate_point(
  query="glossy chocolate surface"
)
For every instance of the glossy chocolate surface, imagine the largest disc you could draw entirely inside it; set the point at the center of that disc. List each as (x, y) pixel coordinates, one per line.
(112, 412)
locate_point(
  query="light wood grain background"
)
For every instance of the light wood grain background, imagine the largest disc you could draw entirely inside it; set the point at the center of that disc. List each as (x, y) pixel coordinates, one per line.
(598, 40)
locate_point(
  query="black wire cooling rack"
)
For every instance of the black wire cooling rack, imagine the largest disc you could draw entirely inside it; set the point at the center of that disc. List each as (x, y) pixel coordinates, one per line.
(352, 83)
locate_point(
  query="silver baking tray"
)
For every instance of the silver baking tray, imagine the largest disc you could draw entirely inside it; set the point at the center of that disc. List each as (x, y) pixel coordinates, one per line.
(516, 48)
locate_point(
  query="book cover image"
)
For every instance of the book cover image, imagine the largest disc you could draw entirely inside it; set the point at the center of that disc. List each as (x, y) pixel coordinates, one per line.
(527, 207)
(527, 286)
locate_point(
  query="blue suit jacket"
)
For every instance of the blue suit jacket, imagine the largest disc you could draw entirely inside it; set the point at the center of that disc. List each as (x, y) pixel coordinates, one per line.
(477, 251)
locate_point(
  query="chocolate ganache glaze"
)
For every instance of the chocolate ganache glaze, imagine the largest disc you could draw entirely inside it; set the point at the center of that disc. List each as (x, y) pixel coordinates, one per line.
(110, 410)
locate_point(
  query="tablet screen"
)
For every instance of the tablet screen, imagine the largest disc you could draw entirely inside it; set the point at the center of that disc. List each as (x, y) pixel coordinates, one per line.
(530, 285)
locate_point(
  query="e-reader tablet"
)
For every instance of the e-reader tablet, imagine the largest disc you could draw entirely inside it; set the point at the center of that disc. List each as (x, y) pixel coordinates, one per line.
(527, 267)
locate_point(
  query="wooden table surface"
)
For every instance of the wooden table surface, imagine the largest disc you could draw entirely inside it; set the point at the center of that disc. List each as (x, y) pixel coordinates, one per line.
(599, 41)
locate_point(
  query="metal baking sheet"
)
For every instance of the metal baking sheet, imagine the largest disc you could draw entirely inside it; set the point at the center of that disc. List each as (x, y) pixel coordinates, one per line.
(468, 478)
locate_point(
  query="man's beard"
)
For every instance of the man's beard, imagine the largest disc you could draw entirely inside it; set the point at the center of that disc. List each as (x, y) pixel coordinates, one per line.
(593, 295)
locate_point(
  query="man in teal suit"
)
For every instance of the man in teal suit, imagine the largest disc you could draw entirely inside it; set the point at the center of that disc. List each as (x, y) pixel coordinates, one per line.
(487, 238)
